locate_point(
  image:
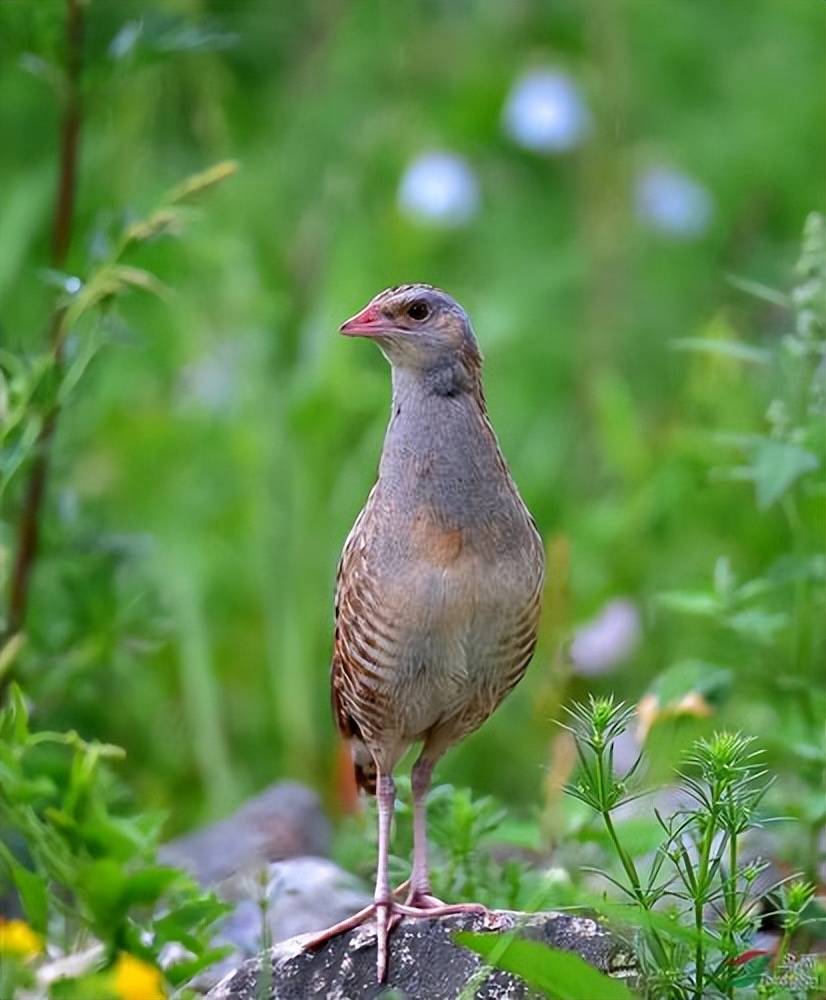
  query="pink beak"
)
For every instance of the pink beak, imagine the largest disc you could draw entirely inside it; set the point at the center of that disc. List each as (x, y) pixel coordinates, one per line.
(368, 323)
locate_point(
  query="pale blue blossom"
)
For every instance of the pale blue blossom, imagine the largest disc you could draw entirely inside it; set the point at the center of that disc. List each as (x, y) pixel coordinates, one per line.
(439, 188)
(670, 202)
(546, 112)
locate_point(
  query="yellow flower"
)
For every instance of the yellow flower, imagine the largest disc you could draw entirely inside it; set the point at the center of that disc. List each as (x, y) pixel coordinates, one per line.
(137, 980)
(17, 938)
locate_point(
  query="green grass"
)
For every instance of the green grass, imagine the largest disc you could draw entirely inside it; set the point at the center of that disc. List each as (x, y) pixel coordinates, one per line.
(222, 441)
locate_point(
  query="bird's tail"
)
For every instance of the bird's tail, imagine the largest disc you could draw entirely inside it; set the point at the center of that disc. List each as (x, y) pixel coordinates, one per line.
(364, 767)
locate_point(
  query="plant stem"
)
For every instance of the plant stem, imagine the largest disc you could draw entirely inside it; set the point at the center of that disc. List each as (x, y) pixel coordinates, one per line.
(28, 531)
(729, 939)
(631, 872)
(699, 901)
(783, 947)
(733, 862)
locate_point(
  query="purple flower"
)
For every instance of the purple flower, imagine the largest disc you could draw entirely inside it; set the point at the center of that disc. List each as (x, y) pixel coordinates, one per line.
(607, 639)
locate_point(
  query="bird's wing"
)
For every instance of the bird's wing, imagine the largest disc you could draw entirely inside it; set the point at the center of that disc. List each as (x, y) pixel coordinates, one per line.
(365, 644)
(515, 648)
(501, 653)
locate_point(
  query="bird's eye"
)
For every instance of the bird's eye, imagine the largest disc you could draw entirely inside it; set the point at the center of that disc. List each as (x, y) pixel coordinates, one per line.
(418, 310)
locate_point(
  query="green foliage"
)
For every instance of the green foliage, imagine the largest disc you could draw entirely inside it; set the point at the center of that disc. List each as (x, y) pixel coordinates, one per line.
(693, 902)
(213, 462)
(776, 615)
(209, 463)
(558, 974)
(83, 870)
(90, 873)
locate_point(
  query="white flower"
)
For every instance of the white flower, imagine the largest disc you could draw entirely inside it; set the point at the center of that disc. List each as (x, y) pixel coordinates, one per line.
(606, 640)
(439, 188)
(673, 203)
(545, 112)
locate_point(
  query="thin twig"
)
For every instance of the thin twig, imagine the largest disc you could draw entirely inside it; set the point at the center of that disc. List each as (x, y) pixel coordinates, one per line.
(28, 532)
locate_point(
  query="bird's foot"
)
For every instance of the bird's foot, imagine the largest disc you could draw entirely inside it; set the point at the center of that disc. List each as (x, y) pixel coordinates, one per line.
(387, 914)
(424, 904)
(322, 937)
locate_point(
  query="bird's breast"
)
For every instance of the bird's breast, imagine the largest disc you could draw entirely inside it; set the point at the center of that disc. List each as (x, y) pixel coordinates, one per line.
(433, 541)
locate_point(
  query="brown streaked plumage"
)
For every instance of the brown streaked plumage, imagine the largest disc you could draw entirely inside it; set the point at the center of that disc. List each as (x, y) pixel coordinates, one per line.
(440, 581)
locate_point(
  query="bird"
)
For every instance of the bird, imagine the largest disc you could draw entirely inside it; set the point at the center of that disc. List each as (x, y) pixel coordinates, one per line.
(439, 585)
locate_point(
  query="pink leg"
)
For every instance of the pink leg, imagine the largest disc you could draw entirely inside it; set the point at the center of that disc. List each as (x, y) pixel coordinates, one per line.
(383, 906)
(383, 899)
(420, 784)
(420, 901)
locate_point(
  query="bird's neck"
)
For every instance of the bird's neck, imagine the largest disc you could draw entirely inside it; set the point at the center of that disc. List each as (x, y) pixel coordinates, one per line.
(424, 389)
(439, 449)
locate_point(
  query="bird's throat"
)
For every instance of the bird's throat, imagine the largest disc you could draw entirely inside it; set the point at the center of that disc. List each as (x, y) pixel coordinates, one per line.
(439, 448)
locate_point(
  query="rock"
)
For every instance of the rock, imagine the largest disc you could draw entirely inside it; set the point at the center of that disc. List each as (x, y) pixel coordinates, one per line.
(257, 860)
(296, 896)
(424, 963)
(284, 821)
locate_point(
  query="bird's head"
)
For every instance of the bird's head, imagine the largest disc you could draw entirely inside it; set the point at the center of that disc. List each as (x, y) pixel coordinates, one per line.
(418, 327)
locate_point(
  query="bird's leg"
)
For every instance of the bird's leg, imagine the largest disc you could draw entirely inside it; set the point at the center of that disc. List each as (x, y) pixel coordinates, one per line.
(384, 905)
(420, 903)
(383, 898)
(420, 900)
(420, 875)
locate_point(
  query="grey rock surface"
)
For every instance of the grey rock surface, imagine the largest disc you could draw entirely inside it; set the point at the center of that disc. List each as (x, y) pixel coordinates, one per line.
(285, 821)
(425, 963)
(294, 897)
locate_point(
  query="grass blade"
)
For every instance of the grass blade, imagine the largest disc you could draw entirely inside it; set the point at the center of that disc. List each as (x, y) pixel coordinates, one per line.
(562, 975)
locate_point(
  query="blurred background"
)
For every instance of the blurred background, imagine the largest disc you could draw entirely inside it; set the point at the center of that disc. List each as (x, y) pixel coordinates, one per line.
(615, 192)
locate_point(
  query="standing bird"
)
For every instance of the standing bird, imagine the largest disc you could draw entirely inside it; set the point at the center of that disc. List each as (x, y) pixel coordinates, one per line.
(440, 582)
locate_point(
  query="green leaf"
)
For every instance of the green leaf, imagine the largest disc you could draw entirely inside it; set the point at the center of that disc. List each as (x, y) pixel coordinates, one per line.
(32, 889)
(519, 833)
(10, 649)
(14, 721)
(120, 837)
(100, 885)
(148, 885)
(689, 677)
(759, 625)
(559, 974)
(690, 602)
(776, 466)
(181, 972)
(191, 917)
(723, 348)
(96, 986)
(667, 924)
(759, 291)
(753, 971)
(22, 790)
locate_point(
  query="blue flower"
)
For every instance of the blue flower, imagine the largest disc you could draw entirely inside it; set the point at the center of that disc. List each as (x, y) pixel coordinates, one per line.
(672, 203)
(545, 112)
(439, 188)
